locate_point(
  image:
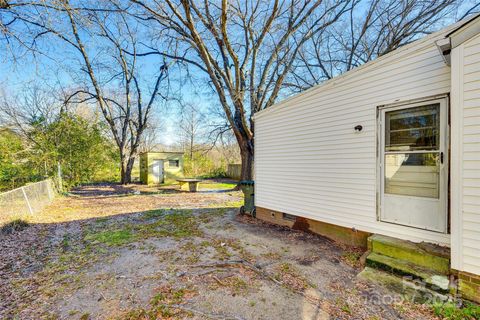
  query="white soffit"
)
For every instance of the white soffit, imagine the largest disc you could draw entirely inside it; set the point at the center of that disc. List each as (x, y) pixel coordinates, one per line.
(465, 32)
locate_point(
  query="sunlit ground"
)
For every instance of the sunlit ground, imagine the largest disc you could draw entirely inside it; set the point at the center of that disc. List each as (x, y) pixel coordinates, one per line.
(137, 252)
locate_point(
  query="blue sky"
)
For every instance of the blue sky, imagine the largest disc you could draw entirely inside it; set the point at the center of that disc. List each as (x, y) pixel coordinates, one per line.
(60, 67)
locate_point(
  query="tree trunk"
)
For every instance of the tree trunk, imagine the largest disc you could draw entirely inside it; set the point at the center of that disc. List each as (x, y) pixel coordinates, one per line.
(191, 147)
(126, 170)
(246, 154)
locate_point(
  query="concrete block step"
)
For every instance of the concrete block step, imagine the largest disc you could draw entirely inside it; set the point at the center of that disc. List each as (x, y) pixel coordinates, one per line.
(409, 290)
(432, 279)
(425, 255)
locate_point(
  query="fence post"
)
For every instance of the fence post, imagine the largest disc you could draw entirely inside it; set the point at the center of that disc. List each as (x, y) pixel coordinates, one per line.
(59, 172)
(26, 200)
(49, 189)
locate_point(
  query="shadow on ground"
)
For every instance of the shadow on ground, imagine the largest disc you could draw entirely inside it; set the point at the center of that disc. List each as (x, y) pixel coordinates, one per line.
(179, 256)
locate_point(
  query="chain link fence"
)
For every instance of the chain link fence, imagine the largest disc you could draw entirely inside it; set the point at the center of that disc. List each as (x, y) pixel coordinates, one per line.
(27, 200)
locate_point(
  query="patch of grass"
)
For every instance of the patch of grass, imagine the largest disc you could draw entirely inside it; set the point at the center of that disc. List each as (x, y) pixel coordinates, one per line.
(343, 305)
(238, 285)
(74, 259)
(451, 311)
(192, 252)
(162, 306)
(352, 256)
(175, 223)
(222, 252)
(217, 186)
(291, 277)
(14, 226)
(137, 314)
(227, 204)
(169, 295)
(346, 308)
(285, 267)
(226, 247)
(85, 316)
(151, 214)
(111, 237)
(65, 244)
(101, 220)
(271, 255)
(205, 243)
(73, 312)
(212, 213)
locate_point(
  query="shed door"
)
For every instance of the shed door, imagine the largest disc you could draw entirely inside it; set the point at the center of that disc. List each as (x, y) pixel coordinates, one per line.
(413, 165)
(157, 171)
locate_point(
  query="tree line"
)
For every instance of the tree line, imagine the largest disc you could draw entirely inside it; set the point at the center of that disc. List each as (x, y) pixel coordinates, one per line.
(128, 56)
(51, 141)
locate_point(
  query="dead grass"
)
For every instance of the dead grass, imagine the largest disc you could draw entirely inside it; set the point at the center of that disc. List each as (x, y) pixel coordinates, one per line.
(172, 255)
(290, 277)
(165, 304)
(352, 255)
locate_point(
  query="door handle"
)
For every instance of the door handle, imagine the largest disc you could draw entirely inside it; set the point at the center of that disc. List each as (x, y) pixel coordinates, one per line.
(441, 157)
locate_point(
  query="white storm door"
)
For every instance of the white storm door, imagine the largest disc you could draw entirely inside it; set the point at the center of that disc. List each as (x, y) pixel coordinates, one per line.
(413, 165)
(157, 171)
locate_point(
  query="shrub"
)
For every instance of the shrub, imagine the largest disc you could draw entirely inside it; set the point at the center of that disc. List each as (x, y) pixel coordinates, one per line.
(451, 311)
(202, 166)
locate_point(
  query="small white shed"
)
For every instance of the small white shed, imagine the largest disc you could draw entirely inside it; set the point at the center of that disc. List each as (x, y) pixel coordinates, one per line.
(389, 148)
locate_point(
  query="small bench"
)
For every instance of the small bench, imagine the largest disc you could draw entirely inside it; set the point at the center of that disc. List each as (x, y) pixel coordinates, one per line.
(192, 184)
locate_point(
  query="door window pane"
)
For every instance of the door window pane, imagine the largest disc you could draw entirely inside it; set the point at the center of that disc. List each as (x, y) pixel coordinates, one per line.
(414, 174)
(412, 128)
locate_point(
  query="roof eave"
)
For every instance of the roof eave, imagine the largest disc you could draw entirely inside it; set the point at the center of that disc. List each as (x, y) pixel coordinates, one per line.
(464, 32)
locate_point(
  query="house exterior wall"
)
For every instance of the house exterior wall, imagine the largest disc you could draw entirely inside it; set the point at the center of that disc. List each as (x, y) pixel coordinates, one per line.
(309, 160)
(170, 173)
(465, 187)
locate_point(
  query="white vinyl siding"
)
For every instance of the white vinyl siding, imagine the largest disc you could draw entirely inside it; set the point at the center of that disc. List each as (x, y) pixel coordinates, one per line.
(466, 156)
(309, 160)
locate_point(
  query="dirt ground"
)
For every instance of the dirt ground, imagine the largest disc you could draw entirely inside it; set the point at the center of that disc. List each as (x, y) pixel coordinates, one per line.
(113, 252)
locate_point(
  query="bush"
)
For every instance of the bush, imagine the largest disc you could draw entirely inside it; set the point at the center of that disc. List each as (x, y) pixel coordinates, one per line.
(451, 311)
(215, 173)
(78, 145)
(202, 166)
(16, 167)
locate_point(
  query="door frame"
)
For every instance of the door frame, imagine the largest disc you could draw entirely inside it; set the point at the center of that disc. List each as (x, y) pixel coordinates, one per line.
(444, 141)
(161, 168)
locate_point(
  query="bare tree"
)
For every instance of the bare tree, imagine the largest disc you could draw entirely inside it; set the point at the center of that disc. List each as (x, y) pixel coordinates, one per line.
(149, 139)
(245, 48)
(228, 148)
(473, 8)
(128, 116)
(34, 105)
(20, 21)
(371, 29)
(112, 79)
(193, 128)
